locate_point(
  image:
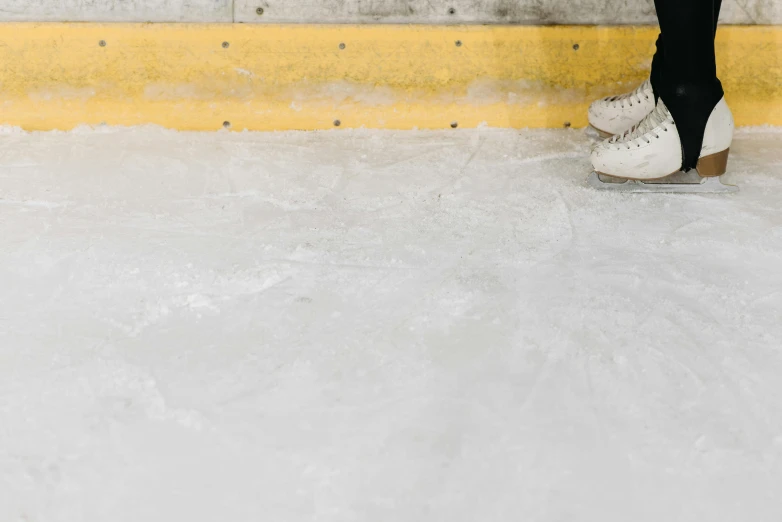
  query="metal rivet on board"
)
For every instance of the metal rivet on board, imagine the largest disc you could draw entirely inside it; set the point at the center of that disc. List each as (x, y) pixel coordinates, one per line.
(576, 47)
(458, 43)
(226, 45)
(102, 43)
(259, 11)
(341, 46)
(227, 124)
(451, 11)
(337, 123)
(454, 124)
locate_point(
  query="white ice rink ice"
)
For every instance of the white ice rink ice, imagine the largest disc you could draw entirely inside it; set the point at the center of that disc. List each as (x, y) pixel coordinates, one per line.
(382, 327)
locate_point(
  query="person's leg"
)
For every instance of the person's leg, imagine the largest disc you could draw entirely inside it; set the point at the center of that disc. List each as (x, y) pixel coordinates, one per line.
(657, 61)
(616, 114)
(657, 68)
(687, 74)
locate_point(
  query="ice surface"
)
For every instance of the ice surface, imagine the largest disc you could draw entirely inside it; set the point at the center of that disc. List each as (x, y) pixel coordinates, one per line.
(382, 326)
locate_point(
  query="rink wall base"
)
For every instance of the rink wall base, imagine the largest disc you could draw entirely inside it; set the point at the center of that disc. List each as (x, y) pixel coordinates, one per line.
(280, 77)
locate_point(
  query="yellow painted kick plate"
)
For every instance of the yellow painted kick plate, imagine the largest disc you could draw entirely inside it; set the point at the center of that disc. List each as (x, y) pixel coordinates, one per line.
(261, 77)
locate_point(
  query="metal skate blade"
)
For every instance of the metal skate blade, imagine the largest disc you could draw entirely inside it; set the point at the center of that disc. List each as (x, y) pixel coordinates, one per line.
(681, 182)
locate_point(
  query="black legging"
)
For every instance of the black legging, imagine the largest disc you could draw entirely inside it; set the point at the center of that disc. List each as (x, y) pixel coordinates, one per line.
(684, 69)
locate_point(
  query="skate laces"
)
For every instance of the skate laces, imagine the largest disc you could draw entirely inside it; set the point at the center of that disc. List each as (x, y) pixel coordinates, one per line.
(648, 127)
(638, 95)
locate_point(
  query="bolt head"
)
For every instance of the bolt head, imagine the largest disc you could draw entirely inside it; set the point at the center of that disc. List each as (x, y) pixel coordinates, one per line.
(226, 45)
(102, 43)
(259, 11)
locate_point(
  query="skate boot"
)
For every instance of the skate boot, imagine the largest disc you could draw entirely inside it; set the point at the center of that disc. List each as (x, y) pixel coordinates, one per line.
(649, 158)
(616, 114)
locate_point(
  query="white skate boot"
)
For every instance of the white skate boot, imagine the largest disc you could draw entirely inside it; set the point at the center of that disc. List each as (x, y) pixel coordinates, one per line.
(648, 158)
(616, 114)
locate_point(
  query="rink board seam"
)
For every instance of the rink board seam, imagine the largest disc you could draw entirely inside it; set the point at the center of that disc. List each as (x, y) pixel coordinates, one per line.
(281, 77)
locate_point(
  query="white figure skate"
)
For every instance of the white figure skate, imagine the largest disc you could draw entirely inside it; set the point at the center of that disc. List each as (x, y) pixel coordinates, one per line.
(648, 157)
(616, 114)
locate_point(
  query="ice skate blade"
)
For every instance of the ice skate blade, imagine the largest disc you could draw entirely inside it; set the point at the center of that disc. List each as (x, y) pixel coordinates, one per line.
(681, 182)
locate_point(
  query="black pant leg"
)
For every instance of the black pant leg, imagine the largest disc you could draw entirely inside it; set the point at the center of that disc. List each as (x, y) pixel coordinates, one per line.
(657, 61)
(685, 76)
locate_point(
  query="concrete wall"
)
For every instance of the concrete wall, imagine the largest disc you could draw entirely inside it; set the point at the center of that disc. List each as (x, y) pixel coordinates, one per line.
(371, 11)
(116, 10)
(489, 11)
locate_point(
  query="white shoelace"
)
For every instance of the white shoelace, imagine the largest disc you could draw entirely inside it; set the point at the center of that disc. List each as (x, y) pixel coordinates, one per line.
(640, 94)
(648, 127)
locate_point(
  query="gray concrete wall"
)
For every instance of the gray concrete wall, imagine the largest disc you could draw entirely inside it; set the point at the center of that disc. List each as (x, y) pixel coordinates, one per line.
(371, 11)
(116, 10)
(489, 11)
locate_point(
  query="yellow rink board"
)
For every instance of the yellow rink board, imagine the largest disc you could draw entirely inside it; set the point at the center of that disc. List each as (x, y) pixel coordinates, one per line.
(262, 77)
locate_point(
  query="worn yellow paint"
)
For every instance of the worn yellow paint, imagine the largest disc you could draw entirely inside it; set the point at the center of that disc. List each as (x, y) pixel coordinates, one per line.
(57, 76)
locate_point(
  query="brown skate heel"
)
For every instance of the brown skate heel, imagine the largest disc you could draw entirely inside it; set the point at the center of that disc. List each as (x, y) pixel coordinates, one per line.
(713, 165)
